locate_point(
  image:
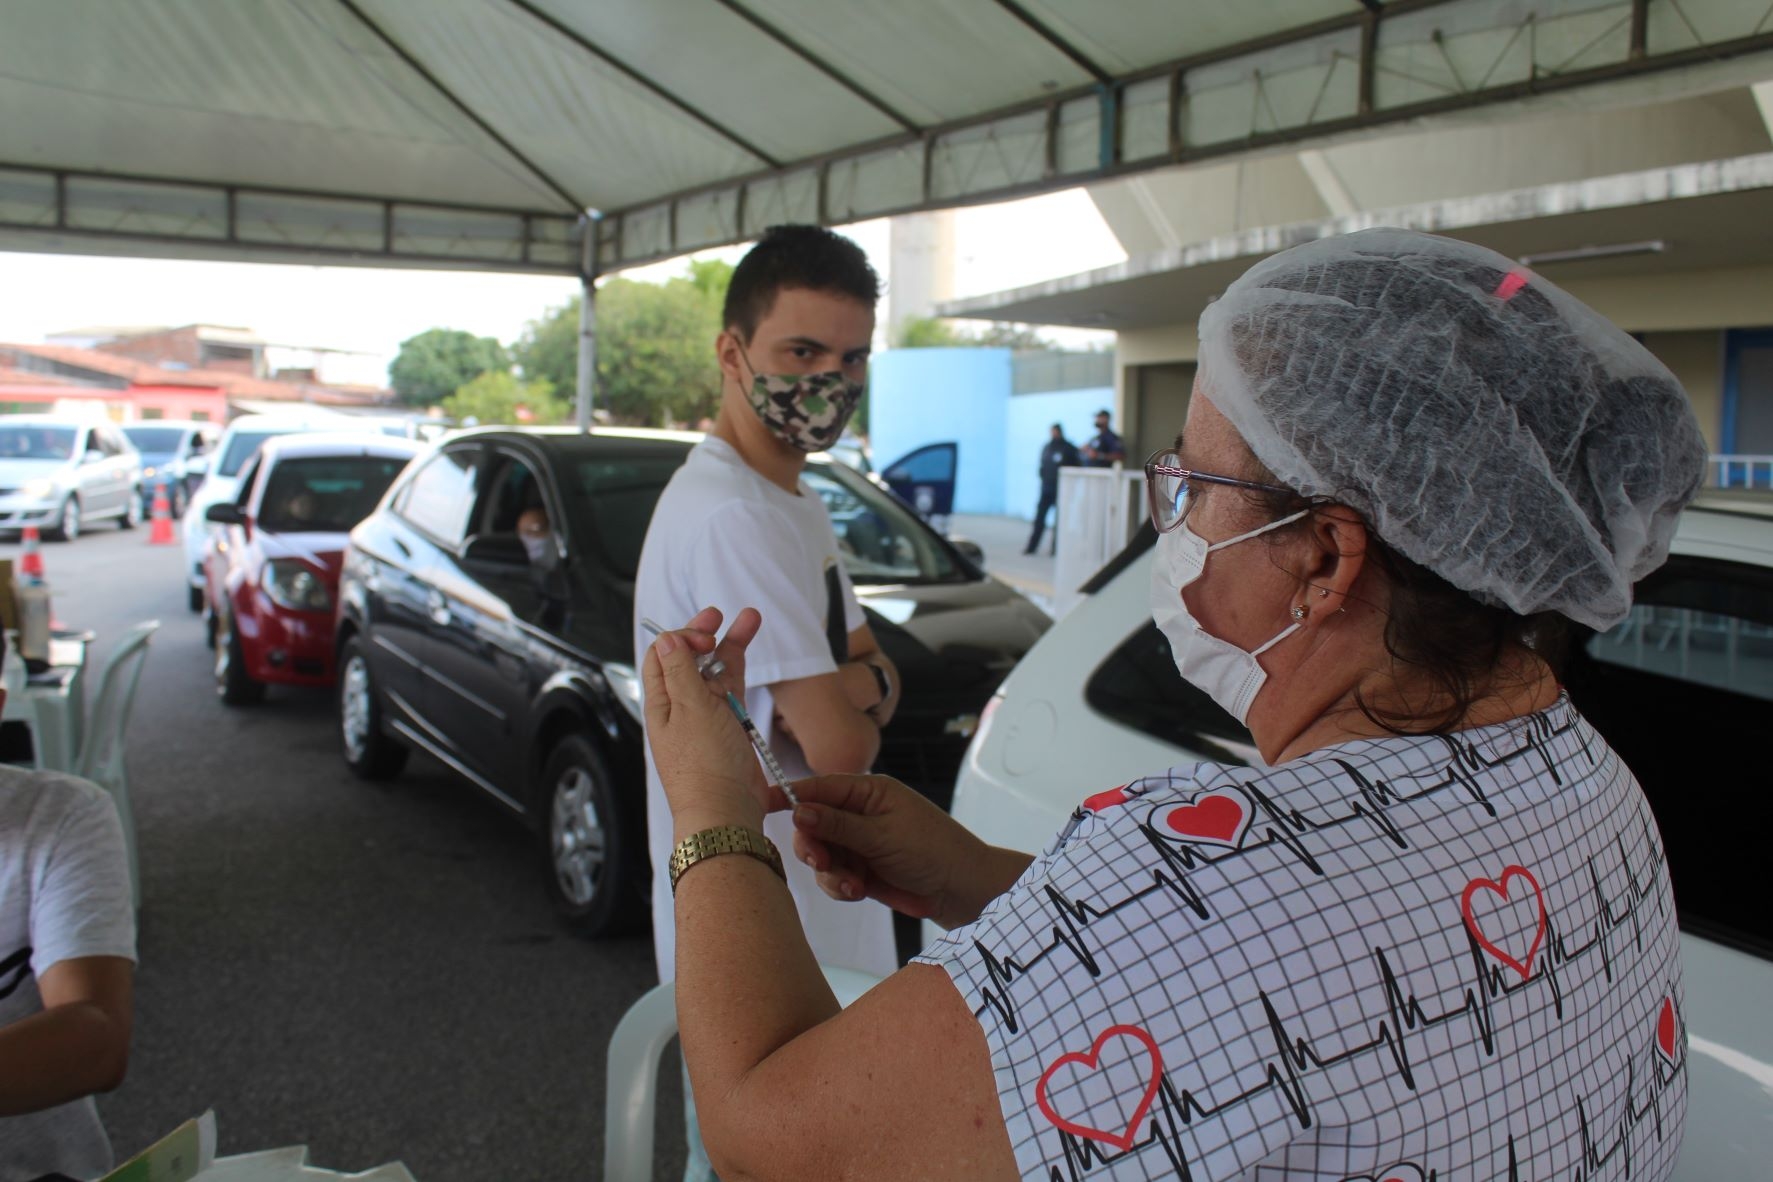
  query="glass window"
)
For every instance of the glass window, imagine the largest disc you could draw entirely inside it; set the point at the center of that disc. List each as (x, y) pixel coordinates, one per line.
(156, 441)
(37, 442)
(615, 499)
(441, 496)
(925, 466)
(1138, 686)
(153, 412)
(326, 494)
(242, 446)
(1678, 690)
(880, 541)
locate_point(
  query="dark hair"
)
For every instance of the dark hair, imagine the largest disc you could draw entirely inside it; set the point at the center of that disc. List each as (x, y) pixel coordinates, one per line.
(1452, 639)
(809, 257)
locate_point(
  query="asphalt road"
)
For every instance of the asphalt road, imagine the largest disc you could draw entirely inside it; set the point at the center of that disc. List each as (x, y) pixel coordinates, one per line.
(371, 971)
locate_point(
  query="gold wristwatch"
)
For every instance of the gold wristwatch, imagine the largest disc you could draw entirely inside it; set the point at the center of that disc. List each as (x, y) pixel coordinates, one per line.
(724, 839)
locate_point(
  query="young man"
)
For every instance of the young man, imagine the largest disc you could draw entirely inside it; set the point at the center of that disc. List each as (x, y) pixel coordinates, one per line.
(736, 528)
(67, 962)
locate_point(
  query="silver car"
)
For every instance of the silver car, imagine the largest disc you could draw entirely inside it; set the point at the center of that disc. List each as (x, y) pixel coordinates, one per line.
(61, 474)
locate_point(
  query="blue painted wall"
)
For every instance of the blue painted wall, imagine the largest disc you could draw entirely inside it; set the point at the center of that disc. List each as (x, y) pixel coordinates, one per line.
(919, 396)
(1031, 419)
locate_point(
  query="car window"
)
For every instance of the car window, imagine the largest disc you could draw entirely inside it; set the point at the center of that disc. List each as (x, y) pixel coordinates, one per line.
(248, 478)
(1138, 687)
(441, 496)
(925, 466)
(325, 494)
(613, 504)
(36, 442)
(242, 446)
(155, 441)
(879, 539)
(1679, 689)
(513, 490)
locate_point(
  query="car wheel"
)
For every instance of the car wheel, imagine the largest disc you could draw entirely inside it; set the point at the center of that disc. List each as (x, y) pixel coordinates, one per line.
(67, 523)
(194, 600)
(132, 513)
(233, 684)
(369, 752)
(593, 855)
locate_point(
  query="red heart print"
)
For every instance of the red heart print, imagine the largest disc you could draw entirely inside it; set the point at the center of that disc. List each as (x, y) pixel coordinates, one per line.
(1667, 1030)
(1122, 1140)
(1523, 967)
(1402, 1172)
(1106, 800)
(1219, 817)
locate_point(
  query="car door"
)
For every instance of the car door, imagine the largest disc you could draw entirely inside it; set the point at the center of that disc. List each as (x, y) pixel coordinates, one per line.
(404, 556)
(124, 464)
(924, 479)
(488, 640)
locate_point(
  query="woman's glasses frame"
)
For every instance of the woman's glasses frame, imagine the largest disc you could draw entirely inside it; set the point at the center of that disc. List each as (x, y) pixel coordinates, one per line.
(1167, 462)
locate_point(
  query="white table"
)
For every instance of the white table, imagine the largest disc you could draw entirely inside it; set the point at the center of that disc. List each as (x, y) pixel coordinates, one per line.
(52, 705)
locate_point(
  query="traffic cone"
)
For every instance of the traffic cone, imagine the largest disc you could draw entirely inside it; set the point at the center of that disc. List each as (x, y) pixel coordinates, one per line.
(30, 563)
(161, 533)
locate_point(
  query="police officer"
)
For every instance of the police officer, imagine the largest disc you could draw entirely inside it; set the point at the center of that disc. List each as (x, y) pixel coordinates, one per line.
(1055, 454)
(1104, 449)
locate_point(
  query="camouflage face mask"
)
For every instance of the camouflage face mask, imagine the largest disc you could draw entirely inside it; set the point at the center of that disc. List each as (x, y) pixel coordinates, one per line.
(808, 411)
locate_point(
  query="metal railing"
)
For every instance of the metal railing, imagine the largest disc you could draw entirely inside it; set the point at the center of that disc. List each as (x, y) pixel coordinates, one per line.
(1741, 472)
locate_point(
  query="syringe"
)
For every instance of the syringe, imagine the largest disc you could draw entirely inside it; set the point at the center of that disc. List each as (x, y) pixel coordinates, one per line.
(711, 667)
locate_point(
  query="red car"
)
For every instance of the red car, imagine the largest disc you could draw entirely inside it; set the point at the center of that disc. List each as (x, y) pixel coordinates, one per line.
(272, 576)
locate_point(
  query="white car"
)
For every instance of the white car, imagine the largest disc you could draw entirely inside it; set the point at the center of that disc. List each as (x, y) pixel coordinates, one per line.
(221, 468)
(62, 473)
(1679, 689)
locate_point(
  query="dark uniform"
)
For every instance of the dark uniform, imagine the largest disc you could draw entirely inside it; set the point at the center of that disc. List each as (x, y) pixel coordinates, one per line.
(1108, 448)
(1057, 454)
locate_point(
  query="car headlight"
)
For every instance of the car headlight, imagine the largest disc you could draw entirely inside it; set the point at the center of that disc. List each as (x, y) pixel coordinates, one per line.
(626, 684)
(150, 473)
(41, 489)
(294, 584)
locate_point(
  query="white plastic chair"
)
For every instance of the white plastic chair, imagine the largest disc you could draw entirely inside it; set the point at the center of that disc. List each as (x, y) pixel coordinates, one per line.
(101, 748)
(633, 1072)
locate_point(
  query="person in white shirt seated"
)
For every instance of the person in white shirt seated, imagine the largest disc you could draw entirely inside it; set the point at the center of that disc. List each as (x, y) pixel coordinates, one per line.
(67, 966)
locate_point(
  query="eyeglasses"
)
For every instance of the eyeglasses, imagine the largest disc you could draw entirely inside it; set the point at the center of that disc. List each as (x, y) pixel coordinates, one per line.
(1168, 493)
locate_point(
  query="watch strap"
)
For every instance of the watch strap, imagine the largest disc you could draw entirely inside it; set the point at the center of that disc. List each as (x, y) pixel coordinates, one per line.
(724, 839)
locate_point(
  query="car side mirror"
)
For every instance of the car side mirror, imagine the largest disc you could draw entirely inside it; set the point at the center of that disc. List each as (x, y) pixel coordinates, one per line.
(225, 513)
(969, 549)
(495, 549)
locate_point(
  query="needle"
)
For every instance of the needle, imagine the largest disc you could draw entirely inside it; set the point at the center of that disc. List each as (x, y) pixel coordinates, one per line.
(711, 667)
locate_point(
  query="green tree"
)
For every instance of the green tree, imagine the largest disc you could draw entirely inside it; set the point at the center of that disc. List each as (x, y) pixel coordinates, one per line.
(501, 398)
(655, 346)
(934, 332)
(433, 365)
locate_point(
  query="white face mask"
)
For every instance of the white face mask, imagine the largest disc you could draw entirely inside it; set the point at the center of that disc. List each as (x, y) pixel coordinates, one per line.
(1218, 668)
(539, 548)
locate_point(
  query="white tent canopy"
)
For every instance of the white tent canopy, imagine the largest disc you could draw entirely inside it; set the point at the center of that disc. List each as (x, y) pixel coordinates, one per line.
(489, 133)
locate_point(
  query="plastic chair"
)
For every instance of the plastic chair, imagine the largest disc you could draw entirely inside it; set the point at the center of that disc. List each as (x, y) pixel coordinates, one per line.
(101, 749)
(633, 1071)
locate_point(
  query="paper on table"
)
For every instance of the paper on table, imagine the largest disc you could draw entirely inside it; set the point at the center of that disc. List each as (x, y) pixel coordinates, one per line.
(177, 1157)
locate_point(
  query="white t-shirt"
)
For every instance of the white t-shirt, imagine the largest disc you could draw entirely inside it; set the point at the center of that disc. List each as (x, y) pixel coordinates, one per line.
(723, 536)
(1395, 959)
(64, 893)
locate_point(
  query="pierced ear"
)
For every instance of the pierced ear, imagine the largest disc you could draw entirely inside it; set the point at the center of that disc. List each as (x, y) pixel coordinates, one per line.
(1341, 540)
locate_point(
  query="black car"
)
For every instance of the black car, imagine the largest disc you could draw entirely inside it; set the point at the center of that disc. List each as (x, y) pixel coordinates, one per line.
(521, 676)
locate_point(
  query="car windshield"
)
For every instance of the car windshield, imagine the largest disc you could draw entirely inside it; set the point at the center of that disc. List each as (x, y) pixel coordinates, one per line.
(242, 446)
(881, 541)
(324, 494)
(21, 442)
(155, 441)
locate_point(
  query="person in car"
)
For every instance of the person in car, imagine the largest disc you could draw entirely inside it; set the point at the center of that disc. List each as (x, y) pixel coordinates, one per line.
(67, 968)
(1431, 937)
(536, 534)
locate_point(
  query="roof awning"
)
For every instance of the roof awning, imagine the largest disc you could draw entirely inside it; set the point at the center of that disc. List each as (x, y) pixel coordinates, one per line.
(479, 133)
(1687, 217)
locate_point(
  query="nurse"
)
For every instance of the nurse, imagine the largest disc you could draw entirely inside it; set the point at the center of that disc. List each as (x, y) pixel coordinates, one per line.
(1433, 937)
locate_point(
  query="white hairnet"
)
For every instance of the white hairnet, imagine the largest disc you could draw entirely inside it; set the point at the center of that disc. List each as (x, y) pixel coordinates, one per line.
(1487, 425)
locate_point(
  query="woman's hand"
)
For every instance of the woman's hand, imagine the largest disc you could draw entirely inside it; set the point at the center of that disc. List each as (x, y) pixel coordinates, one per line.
(872, 837)
(704, 758)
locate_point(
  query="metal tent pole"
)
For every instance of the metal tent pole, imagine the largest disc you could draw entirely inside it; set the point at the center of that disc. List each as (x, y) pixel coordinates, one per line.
(587, 324)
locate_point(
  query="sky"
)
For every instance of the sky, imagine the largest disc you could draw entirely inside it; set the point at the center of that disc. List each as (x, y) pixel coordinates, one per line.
(367, 312)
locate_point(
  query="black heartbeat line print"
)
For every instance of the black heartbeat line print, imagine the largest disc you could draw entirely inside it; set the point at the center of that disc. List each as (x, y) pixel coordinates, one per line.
(1284, 828)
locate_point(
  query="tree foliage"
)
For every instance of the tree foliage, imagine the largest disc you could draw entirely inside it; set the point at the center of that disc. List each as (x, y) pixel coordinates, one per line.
(433, 365)
(500, 398)
(655, 346)
(934, 332)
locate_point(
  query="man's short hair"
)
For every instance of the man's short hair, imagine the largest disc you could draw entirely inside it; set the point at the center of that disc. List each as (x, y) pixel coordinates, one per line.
(1103, 414)
(809, 257)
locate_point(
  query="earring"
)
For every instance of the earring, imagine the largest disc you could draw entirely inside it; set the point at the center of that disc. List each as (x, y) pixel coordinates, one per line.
(1323, 592)
(1300, 611)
